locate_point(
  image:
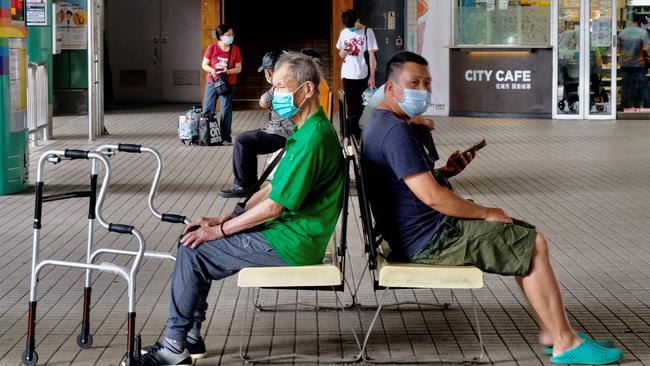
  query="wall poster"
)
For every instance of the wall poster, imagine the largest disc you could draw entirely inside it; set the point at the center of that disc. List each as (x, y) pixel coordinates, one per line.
(72, 24)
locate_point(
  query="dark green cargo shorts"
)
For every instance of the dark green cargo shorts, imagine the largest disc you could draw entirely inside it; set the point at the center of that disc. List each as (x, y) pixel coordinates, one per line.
(494, 247)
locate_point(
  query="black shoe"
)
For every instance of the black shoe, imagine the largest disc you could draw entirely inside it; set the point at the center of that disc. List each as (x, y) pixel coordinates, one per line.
(158, 355)
(234, 191)
(197, 350)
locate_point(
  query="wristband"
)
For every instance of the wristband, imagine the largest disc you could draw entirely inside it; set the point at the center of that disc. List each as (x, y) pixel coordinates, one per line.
(223, 233)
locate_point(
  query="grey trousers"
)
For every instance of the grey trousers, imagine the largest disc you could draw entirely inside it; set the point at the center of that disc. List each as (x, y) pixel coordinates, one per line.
(213, 260)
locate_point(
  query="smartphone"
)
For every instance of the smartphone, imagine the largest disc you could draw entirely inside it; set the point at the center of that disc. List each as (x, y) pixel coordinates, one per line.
(476, 147)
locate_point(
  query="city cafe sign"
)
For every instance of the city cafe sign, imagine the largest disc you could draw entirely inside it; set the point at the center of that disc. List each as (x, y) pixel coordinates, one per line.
(505, 79)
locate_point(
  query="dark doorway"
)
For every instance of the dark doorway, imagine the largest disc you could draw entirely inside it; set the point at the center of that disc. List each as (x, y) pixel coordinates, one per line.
(157, 59)
(262, 26)
(386, 18)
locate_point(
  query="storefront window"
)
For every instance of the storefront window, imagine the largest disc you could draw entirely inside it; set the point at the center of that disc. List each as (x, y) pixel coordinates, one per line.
(502, 22)
(633, 62)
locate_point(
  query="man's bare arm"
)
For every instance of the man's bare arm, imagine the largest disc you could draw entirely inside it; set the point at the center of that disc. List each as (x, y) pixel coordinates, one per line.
(262, 212)
(427, 190)
(259, 196)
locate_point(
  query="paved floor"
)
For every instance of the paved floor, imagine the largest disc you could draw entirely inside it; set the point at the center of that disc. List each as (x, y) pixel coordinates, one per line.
(584, 184)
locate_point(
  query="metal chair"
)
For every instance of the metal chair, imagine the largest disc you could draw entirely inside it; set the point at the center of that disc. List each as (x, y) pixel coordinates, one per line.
(343, 116)
(329, 276)
(387, 275)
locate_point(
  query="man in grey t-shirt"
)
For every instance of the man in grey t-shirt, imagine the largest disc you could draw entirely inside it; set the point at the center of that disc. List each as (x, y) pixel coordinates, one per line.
(250, 144)
(633, 45)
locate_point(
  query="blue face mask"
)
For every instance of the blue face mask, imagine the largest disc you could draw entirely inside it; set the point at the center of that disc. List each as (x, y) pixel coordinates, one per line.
(283, 103)
(228, 39)
(415, 101)
(353, 29)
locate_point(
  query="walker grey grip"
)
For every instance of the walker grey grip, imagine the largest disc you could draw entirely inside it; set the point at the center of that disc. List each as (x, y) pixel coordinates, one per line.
(120, 228)
(175, 219)
(129, 148)
(76, 154)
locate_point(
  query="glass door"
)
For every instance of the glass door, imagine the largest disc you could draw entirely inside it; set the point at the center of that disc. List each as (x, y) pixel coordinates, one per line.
(567, 59)
(601, 93)
(584, 54)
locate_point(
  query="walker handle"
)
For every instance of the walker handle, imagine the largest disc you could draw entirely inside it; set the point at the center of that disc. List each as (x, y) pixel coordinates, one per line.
(75, 154)
(129, 148)
(176, 219)
(120, 228)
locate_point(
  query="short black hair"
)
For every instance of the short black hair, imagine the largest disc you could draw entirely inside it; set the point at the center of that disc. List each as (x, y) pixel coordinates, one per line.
(312, 53)
(222, 29)
(399, 59)
(640, 19)
(349, 17)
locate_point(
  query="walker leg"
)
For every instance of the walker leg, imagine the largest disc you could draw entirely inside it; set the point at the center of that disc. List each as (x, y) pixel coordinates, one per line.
(84, 339)
(30, 357)
(132, 354)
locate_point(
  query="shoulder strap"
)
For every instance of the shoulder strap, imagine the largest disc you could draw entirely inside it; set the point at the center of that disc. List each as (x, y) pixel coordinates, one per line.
(229, 55)
(265, 175)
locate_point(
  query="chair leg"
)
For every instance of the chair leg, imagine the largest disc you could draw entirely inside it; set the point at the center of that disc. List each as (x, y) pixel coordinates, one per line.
(291, 306)
(371, 326)
(242, 355)
(478, 329)
(465, 360)
(296, 356)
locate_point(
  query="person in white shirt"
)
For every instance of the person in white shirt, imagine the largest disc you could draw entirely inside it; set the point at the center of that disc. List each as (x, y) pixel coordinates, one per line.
(357, 73)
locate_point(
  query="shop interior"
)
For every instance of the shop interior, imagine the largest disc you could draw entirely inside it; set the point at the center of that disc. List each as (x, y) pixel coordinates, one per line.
(611, 91)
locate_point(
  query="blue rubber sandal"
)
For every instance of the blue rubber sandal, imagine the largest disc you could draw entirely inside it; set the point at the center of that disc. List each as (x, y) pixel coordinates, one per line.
(588, 353)
(548, 350)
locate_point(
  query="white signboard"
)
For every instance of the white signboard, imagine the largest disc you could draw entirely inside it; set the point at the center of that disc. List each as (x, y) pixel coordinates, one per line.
(36, 12)
(433, 37)
(17, 84)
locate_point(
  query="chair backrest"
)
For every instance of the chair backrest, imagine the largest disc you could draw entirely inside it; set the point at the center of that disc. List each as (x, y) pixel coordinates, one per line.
(343, 115)
(330, 106)
(342, 246)
(369, 239)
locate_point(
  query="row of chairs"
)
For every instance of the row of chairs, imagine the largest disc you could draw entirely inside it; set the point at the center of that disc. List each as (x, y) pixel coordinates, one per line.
(331, 276)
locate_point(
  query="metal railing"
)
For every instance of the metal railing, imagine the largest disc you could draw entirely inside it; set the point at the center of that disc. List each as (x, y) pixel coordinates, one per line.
(39, 123)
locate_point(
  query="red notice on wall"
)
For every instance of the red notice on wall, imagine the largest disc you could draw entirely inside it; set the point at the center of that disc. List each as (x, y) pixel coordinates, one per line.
(17, 12)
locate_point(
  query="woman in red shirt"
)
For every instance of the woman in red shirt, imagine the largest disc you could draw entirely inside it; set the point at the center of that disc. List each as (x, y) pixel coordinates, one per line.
(222, 60)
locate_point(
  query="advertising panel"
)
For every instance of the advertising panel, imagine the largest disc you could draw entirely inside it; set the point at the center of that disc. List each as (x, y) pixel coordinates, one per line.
(71, 19)
(501, 82)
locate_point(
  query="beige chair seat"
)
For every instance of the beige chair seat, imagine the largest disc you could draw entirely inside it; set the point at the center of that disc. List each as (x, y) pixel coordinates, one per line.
(291, 276)
(326, 274)
(413, 275)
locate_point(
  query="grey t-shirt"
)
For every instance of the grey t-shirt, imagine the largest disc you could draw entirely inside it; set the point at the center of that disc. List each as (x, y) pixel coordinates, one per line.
(277, 125)
(632, 41)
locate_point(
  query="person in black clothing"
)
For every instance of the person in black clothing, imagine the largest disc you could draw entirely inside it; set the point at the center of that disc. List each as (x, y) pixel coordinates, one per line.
(250, 144)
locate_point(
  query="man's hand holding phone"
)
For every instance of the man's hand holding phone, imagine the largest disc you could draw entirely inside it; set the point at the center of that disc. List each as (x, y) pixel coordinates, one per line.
(474, 148)
(457, 161)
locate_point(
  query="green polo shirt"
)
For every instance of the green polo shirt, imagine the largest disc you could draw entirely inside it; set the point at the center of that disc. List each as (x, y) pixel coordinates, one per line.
(308, 183)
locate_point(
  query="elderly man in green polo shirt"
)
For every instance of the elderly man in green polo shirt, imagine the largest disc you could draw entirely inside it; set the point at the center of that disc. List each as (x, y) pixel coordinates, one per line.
(288, 222)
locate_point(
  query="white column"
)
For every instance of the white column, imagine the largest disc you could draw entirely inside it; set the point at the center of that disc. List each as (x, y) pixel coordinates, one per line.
(95, 69)
(99, 69)
(90, 30)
